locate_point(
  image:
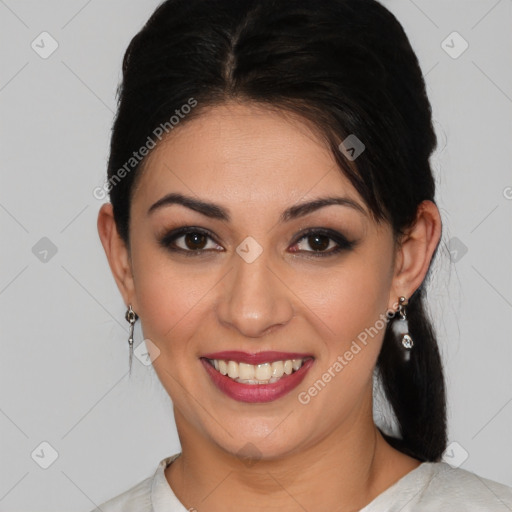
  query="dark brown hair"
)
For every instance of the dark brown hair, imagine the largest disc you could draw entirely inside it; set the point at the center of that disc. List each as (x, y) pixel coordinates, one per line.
(344, 65)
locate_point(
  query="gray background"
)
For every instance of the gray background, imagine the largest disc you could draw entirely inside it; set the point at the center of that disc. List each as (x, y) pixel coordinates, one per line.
(64, 354)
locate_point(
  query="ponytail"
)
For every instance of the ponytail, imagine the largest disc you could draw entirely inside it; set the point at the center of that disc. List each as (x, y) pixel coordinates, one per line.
(415, 387)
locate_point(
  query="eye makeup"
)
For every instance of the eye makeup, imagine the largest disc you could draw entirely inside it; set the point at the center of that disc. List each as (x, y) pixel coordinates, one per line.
(194, 241)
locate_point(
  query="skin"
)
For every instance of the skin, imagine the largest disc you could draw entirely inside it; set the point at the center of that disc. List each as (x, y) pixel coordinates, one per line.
(255, 163)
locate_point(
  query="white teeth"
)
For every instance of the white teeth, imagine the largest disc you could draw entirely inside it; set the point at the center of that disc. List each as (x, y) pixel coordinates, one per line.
(223, 367)
(245, 371)
(232, 369)
(277, 369)
(263, 373)
(296, 364)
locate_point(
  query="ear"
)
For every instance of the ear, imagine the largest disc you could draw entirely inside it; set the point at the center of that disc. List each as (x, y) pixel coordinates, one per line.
(117, 253)
(415, 252)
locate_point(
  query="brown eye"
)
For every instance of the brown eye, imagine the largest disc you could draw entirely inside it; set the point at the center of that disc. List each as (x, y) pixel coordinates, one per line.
(321, 242)
(195, 240)
(318, 242)
(190, 241)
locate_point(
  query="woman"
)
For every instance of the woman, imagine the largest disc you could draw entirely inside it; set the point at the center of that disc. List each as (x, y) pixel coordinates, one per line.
(272, 222)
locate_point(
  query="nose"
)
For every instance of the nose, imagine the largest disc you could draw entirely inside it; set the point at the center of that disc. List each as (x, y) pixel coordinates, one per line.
(254, 300)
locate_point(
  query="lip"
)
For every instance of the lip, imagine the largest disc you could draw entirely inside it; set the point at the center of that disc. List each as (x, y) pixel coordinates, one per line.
(256, 393)
(255, 358)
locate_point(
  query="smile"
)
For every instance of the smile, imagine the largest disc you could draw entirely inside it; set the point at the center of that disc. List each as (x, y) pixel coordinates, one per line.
(265, 373)
(261, 377)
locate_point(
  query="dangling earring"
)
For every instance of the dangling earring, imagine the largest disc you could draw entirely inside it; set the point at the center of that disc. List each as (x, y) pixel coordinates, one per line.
(401, 328)
(131, 318)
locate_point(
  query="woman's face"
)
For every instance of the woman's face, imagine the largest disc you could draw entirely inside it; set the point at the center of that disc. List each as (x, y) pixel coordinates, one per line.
(262, 274)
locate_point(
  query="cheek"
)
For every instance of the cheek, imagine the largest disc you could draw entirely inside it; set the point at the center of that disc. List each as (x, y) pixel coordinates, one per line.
(351, 301)
(168, 297)
(349, 298)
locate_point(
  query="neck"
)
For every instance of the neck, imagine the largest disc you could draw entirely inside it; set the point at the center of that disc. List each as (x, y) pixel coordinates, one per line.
(344, 471)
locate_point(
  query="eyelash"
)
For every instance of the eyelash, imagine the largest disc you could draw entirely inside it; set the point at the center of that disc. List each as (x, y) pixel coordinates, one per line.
(169, 238)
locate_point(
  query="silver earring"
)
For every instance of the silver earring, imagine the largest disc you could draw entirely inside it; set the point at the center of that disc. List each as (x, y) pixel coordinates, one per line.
(401, 328)
(131, 318)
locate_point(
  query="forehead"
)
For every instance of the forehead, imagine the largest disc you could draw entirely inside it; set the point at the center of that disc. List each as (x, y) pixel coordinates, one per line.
(244, 153)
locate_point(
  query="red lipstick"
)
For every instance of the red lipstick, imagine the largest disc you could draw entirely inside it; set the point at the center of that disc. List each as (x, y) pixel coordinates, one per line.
(256, 393)
(255, 358)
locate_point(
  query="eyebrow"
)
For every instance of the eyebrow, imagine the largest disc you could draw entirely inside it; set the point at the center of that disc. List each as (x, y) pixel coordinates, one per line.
(215, 211)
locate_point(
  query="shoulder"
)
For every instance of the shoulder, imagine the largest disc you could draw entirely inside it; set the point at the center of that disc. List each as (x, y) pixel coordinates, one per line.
(137, 498)
(468, 487)
(142, 496)
(446, 485)
(435, 486)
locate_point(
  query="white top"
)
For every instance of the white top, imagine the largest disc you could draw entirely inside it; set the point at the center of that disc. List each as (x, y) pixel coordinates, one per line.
(431, 487)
